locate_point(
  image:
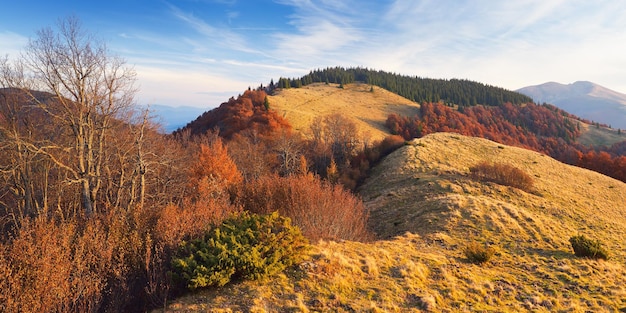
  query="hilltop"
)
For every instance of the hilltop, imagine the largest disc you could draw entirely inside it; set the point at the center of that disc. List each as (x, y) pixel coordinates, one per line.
(367, 106)
(424, 214)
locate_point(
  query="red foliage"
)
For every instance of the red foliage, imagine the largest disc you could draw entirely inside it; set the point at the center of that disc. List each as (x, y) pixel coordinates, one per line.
(247, 112)
(542, 128)
(322, 210)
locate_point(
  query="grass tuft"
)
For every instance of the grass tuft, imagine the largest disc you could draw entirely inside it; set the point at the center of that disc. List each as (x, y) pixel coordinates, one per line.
(478, 254)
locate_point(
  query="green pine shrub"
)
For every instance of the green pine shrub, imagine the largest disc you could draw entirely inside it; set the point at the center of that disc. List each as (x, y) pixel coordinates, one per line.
(588, 248)
(247, 246)
(478, 254)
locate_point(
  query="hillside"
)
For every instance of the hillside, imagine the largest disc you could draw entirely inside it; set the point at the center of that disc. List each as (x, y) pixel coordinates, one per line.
(585, 99)
(368, 110)
(600, 136)
(461, 92)
(425, 209)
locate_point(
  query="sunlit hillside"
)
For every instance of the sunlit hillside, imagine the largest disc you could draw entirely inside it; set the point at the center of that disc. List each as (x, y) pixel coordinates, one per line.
(600, 136)
(366, 107)
(426, 209)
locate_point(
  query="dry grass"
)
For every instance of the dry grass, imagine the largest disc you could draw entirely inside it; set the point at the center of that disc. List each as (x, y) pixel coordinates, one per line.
(599, 137)
(368, 110)
(427, 211)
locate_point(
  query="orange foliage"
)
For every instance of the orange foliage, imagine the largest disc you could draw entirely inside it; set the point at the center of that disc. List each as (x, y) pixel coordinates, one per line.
(247, 112)
(213, 169)
(322, 210)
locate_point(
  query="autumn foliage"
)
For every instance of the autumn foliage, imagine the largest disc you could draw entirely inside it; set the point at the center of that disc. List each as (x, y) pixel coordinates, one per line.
(503, 174)
(247, 112)
(321, 209)
(542, 128)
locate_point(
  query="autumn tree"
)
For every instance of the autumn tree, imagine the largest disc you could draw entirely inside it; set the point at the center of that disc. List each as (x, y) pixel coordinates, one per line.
(214, 169)
(90, 90)
(334, 137)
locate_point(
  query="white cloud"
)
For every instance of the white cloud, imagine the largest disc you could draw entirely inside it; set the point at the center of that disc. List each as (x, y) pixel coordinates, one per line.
(504, 43)
(188, 87)
(11, 44)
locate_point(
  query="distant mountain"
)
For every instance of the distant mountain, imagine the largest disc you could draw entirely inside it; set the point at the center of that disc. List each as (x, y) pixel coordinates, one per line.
(584, 99)
(173, 118)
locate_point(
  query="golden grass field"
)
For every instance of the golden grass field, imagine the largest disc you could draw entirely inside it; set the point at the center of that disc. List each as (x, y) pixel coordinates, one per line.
(425, 213)
(368, 110)
(425, 209)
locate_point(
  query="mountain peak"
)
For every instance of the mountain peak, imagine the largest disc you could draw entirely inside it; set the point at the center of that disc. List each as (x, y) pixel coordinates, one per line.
(583, 98)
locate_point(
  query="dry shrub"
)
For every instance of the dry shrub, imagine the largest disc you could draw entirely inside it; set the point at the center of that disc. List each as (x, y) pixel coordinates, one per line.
(390, 144)
(115, 262)
(478, 254)
(55, 267)
(191, 221)
(322, 210)
(360, 164)
(503, 174)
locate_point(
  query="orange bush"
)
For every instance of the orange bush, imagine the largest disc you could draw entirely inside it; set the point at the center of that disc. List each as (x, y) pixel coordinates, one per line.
(503, 174)
(48, 265)
(322, 210)
(214, 163)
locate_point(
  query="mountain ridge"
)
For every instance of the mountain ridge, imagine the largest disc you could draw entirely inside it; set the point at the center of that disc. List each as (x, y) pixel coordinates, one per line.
(584, 99)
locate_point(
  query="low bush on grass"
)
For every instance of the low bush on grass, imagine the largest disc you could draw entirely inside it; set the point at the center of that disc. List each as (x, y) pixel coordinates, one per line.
(478, 254)
(588, 248)
(247, 246)
(503, 174)
(322, 210)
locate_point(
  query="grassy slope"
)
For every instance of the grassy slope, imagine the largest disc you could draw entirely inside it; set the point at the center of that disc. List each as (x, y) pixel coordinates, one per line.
(427, 211)
(369, 110)
(598, 137)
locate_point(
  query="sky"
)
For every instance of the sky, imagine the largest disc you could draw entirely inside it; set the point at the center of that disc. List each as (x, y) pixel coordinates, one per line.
(201, 52)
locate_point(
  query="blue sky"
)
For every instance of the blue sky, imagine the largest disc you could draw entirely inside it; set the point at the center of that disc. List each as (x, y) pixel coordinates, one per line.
(201, 52)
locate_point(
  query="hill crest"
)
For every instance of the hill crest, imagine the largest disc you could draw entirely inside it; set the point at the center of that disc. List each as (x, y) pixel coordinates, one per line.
(367, 106)
(423, 202)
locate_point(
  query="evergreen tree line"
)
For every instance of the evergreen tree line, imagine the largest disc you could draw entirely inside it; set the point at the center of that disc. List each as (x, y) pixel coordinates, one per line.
(459, 92)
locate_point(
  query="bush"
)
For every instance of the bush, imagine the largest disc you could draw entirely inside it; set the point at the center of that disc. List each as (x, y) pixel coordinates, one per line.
(478, 254)
(321, 210)
(503, 174)
(587, 248)
(247, 246)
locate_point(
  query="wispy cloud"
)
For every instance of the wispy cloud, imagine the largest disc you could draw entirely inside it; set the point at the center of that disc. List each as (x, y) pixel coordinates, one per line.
(505, 43)
(221, 37)
(11, 43)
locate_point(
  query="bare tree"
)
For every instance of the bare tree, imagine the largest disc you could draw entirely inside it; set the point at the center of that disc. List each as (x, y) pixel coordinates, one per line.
(90, 89)
(334, 137)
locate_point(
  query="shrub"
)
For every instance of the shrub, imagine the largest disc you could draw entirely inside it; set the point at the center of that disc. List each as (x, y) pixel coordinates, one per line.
(587, 248)
(321, 210)
(478, 254)
(247, 246)
(503, 174)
